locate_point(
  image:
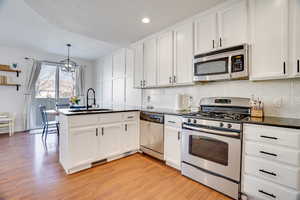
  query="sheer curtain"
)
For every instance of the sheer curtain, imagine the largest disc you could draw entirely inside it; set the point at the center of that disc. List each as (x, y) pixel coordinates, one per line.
(30, 92)
(79, 82)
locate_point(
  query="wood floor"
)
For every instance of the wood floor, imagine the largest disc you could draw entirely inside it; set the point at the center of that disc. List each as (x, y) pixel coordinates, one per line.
(30, 170)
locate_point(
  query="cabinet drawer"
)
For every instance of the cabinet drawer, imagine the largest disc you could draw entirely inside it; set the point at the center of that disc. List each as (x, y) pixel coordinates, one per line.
(273, 153)
(278, 173)
(83, 120)
(172, 120)
(273, 135)
(264, 190)
(130, 116)
(110, 118)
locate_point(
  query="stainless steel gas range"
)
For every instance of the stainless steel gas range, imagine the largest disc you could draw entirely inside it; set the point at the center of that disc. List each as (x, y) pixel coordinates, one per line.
(211, 143)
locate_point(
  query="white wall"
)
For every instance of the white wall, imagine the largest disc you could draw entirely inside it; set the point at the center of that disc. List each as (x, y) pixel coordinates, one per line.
(281, 97)
(13, 101)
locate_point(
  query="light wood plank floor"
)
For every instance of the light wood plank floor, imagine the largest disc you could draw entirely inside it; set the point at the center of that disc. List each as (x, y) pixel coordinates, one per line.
(30, 170)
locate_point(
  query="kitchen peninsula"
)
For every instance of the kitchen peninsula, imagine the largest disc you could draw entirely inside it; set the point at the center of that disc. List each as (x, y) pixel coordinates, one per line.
(91, 137)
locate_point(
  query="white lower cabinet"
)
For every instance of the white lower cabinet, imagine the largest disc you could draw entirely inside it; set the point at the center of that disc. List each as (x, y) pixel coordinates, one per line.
(82, 137)
(172, 141)
(271, 163)
(130, 136)
(111, 135)
(109, 140)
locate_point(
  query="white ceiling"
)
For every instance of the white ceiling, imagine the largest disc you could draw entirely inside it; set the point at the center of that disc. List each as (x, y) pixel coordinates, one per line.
(23, 27)
(93, 27)
(117, 21)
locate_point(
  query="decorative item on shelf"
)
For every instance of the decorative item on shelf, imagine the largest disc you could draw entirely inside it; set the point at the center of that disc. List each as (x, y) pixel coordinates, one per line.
(14, 65)
(74, 100)
(257, 107)
(3, 80)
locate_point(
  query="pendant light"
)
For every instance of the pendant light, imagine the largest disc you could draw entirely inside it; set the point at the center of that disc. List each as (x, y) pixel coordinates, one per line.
(67, 64)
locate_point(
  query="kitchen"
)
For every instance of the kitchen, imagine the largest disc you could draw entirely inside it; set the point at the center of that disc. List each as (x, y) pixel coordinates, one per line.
(204, 108)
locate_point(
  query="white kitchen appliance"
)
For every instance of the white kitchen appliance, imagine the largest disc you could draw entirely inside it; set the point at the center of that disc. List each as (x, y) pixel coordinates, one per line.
(182, 102)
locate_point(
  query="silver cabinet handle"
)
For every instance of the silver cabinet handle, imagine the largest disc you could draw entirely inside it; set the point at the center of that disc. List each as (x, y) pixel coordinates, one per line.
(96, 131)
(126, 127)
(141, 83)
(174, 79)
(266, 193)
(220, 42)
(267, 172)
(213, 42)
(178, 136)
(284, 70)
(298, 66)
(170, 79)
(102, 130)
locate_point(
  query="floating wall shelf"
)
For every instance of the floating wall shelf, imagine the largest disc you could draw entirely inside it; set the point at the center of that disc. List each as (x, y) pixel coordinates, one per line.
(12, 84)
(11, 70)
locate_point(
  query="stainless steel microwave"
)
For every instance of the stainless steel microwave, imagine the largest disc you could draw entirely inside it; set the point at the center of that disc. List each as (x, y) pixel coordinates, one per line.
(222, 64)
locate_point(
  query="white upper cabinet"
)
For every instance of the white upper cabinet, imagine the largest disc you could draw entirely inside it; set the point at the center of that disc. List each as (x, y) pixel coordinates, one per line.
(165, 59)
(206, 33)
(150, 62)
(138, 67)
(129, 63)
(183, 54)
(295, 37)
(119, 91)
(269, 39)
(118, 61)
(107, 92)
(107, 68)
(232, 24)
(225, 27)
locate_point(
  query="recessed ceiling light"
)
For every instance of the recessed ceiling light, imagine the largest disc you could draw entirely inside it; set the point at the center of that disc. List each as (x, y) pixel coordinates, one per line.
(146, 20)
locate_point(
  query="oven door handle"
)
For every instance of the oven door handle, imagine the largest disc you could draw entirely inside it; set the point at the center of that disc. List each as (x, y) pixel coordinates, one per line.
(227, 133)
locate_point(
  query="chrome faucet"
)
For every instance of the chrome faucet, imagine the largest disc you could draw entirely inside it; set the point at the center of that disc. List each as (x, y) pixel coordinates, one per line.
(87, 97)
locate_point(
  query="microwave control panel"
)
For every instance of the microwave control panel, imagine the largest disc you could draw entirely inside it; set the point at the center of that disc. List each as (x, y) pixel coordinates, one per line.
(237, 63)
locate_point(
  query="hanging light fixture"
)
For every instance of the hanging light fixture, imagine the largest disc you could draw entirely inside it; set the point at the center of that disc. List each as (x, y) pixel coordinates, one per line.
(68, 65)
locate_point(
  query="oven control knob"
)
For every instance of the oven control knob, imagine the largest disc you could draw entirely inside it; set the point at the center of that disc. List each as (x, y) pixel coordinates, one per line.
(195, 121)
(189, 120)
(229, 125)
(221, 124)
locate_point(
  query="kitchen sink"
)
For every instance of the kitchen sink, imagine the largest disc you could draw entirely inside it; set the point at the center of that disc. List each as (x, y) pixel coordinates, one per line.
(90, 110)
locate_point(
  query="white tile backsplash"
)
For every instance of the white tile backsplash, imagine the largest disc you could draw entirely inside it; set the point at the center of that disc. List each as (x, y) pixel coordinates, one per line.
(281, 97)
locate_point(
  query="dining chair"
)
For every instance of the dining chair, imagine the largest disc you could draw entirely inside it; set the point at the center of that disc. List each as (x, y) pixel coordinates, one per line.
(46, 123)
(7, 121)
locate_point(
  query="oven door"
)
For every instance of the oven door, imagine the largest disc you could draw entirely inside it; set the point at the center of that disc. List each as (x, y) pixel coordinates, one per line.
(211, 68)
(218, 154)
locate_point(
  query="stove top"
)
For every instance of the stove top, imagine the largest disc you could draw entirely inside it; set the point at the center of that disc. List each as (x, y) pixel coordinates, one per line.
(216, 115)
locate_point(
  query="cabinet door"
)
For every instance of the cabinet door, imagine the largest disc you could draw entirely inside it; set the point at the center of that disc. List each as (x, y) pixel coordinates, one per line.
(130, 137)
(119, 91)
(83, 145)
(150, 62)
(129, 63)
(107, 68)
(107, 92)
(205, 33)
(172, 146)
(109, 140)
(118, 60)
(133, 96)
(138, 51)
(165, 59)
(232, 24)
(183, 54)
(295, 37)
(269, 39)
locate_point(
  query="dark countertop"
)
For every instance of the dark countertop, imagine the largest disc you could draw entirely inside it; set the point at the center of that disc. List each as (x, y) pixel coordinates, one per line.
(274, 121)
(270, 121)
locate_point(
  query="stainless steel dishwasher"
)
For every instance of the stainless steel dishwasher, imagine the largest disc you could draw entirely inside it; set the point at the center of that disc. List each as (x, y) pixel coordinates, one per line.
(152, 134)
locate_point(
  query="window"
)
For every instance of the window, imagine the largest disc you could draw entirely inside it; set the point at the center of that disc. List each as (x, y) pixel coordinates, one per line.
(46, 82)
(55, 83)
(66, 84)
